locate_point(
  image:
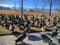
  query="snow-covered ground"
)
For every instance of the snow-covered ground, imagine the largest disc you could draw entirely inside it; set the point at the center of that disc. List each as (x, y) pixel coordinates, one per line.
(32, 39)
(35, 39)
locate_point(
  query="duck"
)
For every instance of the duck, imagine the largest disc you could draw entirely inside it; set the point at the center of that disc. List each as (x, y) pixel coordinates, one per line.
(46, 38)
(54, 33)
(24, 34)
(21, 38)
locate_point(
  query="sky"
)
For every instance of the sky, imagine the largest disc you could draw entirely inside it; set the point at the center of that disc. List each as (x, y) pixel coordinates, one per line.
(30, 4)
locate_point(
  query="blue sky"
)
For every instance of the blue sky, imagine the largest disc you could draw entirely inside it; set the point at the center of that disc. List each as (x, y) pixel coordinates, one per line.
(29, 3)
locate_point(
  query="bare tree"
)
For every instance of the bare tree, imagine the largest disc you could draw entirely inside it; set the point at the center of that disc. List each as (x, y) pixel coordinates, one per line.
(36, 5)
(21, 7)
(50, 7)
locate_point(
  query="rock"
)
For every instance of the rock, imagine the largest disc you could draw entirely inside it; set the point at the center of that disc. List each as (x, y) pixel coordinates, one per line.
(7, 40)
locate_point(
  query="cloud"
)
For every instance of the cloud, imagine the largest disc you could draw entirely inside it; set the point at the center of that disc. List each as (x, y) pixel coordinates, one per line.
(6, 5)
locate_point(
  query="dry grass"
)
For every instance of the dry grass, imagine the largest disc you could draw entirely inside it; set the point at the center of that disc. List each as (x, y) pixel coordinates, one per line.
(4, 31)
(36, 28)
(16, 12)
(58, 24)
(26, 12)
(17, 30)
